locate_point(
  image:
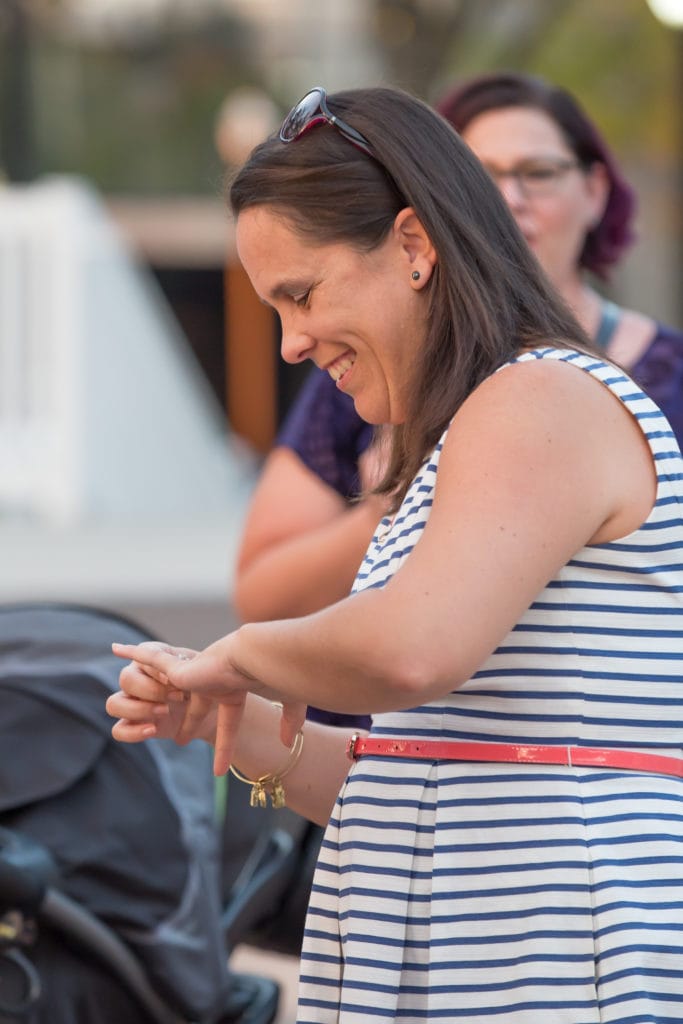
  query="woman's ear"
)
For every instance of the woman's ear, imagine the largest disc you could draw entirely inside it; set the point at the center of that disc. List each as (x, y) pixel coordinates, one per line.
(415, 247)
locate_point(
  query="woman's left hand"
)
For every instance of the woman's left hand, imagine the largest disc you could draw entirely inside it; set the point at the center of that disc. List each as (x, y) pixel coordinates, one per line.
(210, 674)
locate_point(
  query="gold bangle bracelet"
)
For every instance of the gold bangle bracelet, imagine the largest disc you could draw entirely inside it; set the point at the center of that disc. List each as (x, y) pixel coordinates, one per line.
(271, 783)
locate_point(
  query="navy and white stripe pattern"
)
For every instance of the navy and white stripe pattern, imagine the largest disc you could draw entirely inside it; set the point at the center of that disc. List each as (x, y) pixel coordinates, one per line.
(524, 894)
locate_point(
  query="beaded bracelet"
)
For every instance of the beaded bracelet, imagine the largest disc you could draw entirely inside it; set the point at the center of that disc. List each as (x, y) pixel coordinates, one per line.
(271, 782)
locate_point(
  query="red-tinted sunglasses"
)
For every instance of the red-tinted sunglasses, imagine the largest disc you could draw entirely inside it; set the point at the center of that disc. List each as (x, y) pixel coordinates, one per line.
(313, 110)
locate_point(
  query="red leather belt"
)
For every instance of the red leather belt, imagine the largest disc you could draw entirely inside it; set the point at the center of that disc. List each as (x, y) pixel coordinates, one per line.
(517, 753)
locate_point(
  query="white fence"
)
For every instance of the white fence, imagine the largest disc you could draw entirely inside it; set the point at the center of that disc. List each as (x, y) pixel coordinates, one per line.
(104, 413)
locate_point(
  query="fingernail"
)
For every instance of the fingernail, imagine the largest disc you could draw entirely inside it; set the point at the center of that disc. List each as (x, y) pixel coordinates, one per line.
(149, 730)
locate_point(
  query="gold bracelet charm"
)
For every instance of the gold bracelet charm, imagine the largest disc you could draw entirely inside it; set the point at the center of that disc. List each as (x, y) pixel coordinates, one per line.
(270, 784)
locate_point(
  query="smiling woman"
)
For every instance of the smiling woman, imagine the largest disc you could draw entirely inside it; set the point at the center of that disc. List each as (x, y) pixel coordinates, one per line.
(345, 311)
(569, 199)
(514, 628)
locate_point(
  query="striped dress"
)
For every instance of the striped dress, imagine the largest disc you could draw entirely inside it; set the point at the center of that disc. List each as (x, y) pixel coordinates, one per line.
(522, 894)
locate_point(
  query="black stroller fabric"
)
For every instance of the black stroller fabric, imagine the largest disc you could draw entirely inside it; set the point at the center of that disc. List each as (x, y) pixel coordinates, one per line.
(131, 827)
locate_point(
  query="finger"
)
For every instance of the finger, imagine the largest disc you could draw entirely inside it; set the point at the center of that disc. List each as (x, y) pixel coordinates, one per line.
(292, 721)
(228, 721)
(161, 658)
(120, 705)
(133, 732)
(171, 692)
(138, 652)
(136, 681)
(151, 673)
(174, 694)
(195, 712)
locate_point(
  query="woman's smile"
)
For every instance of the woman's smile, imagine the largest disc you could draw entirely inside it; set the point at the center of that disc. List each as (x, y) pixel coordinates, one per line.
(339, 369)
(358, 321)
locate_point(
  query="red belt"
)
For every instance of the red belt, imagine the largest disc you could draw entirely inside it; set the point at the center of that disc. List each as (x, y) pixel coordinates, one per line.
(518, 753)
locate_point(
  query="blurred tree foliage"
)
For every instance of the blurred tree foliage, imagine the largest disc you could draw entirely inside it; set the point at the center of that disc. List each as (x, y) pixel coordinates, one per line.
(621, 63)
(133, 113)
(136, 112)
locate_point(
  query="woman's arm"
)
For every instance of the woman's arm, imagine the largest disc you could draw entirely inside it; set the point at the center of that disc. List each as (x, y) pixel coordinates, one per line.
(312, 786)
(540, 461)
(146, 709)
(302, 543)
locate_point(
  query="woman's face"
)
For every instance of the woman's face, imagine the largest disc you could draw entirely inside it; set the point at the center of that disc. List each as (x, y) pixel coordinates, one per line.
(356, 315)
(554, 201)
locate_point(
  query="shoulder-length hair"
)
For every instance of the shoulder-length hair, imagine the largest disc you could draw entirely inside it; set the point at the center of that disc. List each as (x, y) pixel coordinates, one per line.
(605, 244)
(488, 297)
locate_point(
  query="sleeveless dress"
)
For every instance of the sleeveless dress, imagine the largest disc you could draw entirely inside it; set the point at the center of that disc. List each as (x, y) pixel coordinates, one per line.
(522, 894)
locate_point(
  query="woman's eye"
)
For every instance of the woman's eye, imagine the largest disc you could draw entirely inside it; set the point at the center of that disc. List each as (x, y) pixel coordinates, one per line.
(302, 300)
(539, 173)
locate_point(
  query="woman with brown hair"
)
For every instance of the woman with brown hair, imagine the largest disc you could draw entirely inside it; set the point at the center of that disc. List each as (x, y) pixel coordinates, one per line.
(500, 845)
(575, 209)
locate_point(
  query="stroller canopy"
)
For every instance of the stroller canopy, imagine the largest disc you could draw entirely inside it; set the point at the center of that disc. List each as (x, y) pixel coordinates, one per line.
(131, 827)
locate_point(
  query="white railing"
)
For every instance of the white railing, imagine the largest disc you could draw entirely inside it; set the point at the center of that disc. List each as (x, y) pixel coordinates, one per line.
(104, 414)
(39, 381)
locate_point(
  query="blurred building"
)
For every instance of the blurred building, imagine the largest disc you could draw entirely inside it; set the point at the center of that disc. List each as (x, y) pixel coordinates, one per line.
(300, 43)
(304, 44)
(120, 483)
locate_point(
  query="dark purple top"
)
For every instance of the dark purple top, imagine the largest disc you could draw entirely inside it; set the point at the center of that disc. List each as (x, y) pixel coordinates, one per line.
(329, 436)
(326, 432)
(659, 372)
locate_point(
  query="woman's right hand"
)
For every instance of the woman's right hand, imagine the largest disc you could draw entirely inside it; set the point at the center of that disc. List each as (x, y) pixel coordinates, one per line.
(147, 707)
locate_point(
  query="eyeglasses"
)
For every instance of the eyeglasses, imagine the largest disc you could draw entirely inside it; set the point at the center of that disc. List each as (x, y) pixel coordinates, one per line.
(313, 110)
(535, 178)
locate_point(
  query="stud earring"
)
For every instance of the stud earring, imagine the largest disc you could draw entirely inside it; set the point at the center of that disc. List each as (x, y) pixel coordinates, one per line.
(415, 275)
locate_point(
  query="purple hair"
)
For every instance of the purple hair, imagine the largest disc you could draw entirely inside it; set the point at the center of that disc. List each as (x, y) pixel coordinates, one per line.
(605, 243)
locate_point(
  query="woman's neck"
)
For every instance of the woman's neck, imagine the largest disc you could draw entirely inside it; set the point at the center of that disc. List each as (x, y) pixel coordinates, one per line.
(584, 303)
(633, 335)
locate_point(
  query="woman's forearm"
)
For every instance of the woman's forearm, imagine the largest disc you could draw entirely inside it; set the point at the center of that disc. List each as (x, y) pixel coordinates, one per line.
(311, 787)
(354, 657)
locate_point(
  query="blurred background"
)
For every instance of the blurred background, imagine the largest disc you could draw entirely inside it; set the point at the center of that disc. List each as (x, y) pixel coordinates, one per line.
(139, 380)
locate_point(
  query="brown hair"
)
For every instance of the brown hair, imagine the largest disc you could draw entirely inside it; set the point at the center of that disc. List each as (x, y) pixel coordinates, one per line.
(488, 295)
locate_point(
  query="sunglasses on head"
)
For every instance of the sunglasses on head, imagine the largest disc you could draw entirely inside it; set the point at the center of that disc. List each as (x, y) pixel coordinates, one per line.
(311, 110)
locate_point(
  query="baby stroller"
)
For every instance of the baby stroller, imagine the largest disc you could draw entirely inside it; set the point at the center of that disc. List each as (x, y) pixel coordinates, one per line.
(110, 889)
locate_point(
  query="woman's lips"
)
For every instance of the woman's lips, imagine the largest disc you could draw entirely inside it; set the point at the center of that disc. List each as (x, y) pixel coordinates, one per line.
(340, 366)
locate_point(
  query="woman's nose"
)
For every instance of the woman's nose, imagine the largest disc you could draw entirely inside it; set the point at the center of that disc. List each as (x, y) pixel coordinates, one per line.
(295, 345)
